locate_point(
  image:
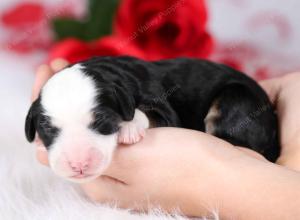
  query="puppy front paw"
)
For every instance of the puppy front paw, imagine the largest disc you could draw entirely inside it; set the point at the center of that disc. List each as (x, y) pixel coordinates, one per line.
(130, 133)
(133, 131)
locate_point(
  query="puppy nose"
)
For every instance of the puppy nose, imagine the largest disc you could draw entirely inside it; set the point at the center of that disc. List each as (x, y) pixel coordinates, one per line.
(80, 166)
(84, 160)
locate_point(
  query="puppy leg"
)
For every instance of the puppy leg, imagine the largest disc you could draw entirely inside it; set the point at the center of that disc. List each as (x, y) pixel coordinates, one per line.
(133, 131)
(244, 119)
(212, 116)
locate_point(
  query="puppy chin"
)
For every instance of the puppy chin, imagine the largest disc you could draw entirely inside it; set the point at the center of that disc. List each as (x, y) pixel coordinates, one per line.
(85, 179)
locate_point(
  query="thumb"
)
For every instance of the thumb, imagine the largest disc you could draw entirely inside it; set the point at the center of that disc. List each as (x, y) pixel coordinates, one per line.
(41, 152)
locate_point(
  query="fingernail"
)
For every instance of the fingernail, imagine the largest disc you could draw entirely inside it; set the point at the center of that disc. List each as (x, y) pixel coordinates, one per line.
(58, 64)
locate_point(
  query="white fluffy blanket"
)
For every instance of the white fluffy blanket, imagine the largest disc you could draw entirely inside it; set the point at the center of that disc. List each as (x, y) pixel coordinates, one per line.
(28, 190)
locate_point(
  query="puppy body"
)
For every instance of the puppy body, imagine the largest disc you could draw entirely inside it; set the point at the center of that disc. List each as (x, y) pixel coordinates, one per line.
(89, 107)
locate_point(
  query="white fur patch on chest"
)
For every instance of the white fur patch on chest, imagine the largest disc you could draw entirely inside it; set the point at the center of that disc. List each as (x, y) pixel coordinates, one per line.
(69, 96)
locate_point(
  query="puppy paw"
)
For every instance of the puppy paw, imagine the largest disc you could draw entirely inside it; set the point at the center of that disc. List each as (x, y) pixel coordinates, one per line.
(133, 131)
(130, 133)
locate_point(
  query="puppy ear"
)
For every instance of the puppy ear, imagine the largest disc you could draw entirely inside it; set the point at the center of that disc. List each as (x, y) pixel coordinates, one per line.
(30, 124)
(125, 103)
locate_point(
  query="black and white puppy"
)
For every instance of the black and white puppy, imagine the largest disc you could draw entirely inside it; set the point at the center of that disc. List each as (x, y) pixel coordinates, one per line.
(86, 109)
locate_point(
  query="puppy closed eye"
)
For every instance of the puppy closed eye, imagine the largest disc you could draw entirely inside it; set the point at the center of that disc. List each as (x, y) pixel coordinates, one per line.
(51, 131)
(46, 131)
(105, 124)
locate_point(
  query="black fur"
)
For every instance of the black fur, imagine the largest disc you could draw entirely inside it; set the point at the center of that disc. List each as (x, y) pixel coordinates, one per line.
(36, 121)
(30, 123)
(179, 93)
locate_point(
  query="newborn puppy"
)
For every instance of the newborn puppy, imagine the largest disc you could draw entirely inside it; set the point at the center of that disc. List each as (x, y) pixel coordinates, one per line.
(86, 109)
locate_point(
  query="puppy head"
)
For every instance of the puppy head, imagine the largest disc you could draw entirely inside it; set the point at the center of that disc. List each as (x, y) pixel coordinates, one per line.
(77, 117)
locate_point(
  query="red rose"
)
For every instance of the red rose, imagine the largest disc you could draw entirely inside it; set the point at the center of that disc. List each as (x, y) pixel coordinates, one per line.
(233, 63)
(165, 29)
(113, 46)
(150, 30)
(23, 15)
(72, 50)
(25, 26)
(262, 73)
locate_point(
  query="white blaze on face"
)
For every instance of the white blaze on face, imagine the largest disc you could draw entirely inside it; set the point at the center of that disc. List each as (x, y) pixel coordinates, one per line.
(68, 99)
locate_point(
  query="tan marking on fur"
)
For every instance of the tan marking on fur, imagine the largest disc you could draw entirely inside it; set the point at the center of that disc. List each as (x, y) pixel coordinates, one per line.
(210, 118)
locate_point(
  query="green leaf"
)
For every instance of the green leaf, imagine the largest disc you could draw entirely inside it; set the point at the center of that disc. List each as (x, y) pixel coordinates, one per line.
(66, 27)
(100, 20)
(97, 24)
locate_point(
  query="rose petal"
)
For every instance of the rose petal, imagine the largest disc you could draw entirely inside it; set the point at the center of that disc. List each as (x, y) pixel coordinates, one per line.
(23, 14)
(115, 46)
(71, 49)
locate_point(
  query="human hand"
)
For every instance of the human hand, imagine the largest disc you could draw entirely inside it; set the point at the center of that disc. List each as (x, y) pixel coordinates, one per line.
(170, 168)
(284, 91)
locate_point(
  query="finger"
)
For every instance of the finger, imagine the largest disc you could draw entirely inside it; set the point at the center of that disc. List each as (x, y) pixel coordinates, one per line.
(105, 189)
(42, 155)
(109, 191)
(58, 64)
(43, 73)
(291, 161)
(252, 153)
(41, 152)
(272, 87)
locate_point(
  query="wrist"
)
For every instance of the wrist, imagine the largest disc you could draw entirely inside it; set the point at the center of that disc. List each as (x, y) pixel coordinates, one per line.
(246, 184)
(227, 189)
(212, 190)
